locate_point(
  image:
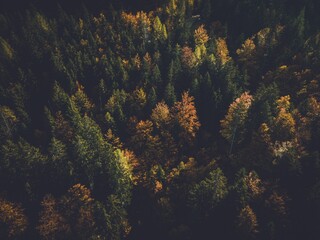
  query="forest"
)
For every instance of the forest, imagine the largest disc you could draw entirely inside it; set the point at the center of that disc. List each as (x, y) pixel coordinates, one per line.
(164, 119)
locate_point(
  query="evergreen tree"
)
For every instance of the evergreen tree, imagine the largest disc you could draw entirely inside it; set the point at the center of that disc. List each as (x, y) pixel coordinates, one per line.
(169, 94)
(207, 194)
(152, 98)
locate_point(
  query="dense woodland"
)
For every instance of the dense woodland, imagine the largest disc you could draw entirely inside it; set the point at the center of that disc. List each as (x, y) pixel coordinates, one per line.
(173, 119)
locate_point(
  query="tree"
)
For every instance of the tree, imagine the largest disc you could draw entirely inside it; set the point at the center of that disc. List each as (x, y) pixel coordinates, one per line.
(6, 49)
(146, 69)
(187, 57)
(169, 94)
(152, 98)
(25, 160)
(52, 223)
(284, 121)
(247, 52)
(254, 184)
(156, 76)
(206, 9)
(171, 72)
(247, 222)
(241, 188)
(299, 27)
(159, 29)
(62, 128)
(145, 144)
(235, 118)
(8, 121)
(200, 36)
(207, 194)
(277, 203)
(222, 51)
(59, 167)
(195, 89)
(313, 115)
(116, 103)
(117, 223)
(77, 206)
(185, 114)
(139, 99)
(161, 115)
(162, 118)
(81, 100)
(171, 9)
(12, 219)
(102, 92)
(97, 165)
(69, 217)
(63, 103)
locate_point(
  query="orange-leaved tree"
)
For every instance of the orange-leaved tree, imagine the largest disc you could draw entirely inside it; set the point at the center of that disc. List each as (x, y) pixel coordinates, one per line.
(185, 114)
(13, 221)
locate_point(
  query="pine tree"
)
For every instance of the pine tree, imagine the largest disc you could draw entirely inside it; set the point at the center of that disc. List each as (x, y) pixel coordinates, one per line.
(169, 94)
(235, 118)
(160, 31)
(171, 72)
(96, 160)
(152, 98)
(137, 101)
(156, 76)
(240, 188)
(195, 89)
(207, 194)
(60, 168)
(81, 100)
(26, 159)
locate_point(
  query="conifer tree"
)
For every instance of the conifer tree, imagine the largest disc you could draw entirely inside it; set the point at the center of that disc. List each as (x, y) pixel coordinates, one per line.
(235, 118)
(169, 94)
(207, 194)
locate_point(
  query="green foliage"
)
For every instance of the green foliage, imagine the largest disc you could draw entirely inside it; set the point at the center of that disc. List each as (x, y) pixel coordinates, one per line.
(207, 194)
(21, 165)
(90, 94)
(235, 118)
(169, 94)
(240, 187)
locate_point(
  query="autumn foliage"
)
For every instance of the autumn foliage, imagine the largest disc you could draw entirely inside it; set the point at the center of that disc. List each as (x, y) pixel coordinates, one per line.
(167, 119)
(13, 220)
